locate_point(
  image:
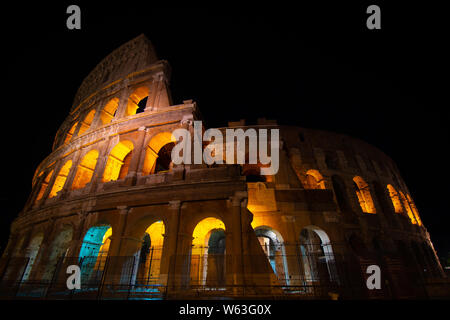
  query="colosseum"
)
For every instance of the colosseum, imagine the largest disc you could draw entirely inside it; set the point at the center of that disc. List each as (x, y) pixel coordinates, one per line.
(109, 200)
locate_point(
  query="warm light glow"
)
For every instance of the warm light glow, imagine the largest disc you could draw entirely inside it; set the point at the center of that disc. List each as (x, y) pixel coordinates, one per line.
(60, 179)
(116, 166)
(108, 112)
(414, 209)
(86, 123)
(151, 154)
(133, 100)
(70, 133)
(85, 170)
(314, 180)
(364, 196)
(44, 186)
(203, 230)
(395, 199)
(408, 208)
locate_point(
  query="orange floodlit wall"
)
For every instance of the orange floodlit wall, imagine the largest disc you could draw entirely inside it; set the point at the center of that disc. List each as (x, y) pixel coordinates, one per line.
(408, 208)
(395, 199)
(60, 179)
(151, 154)
(134, 99)
(44, 186)
(118, 161)
(87, 122)
(364, 196)
(109, 111)
(153, 262)
(414, 209)
(85, 170)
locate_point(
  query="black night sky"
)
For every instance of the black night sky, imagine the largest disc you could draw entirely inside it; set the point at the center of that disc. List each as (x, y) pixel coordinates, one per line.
(312, 66)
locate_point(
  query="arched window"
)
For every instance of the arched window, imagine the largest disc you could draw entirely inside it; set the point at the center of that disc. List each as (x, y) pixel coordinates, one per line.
(136, 102)
(414, 210)
(60, 179)
(150, 254)
(208, 253)
(158, 155)
(109, 111)
(395, 199)
(273, 246)
(44, 185)
(86, 123)
(314, 180)
(85, 170)
(408, 208)
(32, 252)
(59, 248)
(93, 252)
(69, 133)
(363, 194)
(118, 161)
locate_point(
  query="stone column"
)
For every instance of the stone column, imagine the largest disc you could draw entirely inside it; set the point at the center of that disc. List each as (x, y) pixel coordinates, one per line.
(123, 101)
(292, 250)
(97, 176)
(168, 268)
(73, 170)
(236, 242)
(136, 157)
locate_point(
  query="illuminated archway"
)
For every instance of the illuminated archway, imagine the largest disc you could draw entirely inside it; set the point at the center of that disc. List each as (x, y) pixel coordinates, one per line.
(393, 194)
(414, 209)
(150, 254)
(109, 111)
(94, 251)
(272, 244)
(134, 100)
(44, 185)
(69, 133)
(86, 123)
(364, 196)
(408, 208)
(317, 255)
(118, 161)
(158, 153)
(60, 179)
(85, 170)
(208, 253)
(314, 180)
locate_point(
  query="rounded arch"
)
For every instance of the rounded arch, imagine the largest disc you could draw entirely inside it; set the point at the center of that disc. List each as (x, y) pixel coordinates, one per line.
(44, 185)
(134, 100)
(86, 123)
(70, 133)
(31, 253)
(314, 180)
(393, 194)
(60, 179)
(118, 161)
(109, 110)
(414, 209)
(158, 153)
(408, 208)
(363, 193)
(85, 170)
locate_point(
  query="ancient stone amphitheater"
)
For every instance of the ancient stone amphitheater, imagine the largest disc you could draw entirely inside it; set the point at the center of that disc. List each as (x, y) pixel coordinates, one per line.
(109, 200)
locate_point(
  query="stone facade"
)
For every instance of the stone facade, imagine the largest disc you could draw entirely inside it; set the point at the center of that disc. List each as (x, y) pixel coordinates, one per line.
(336, 205)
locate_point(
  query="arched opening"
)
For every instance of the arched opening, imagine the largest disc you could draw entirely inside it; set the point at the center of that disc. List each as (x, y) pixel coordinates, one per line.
(252, 173)
(395, 199)
(414, 210)
(69, 133)
(60, 179)
(118, 161)
(150, 254)
(363, 193)
(86, 123)
(31, 253)
(93, 252)
(137, 101)
(58, 250)
(317, 255)
(109, 111)
(158, 156)
(44, 185)
(273, 246)
(314, 180)
(85, 170)
(408, 208)
(208, 253)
